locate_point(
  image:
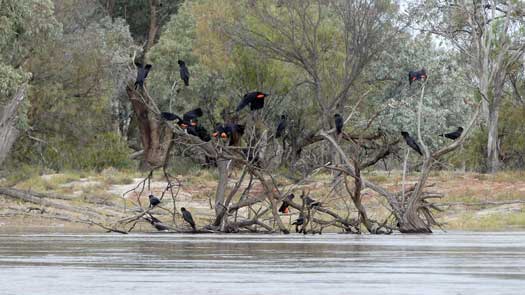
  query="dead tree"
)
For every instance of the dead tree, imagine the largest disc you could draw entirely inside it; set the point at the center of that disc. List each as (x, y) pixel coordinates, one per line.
(412, 211)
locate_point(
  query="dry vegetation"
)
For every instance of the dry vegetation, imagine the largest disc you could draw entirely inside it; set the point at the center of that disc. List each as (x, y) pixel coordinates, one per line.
(473, 201)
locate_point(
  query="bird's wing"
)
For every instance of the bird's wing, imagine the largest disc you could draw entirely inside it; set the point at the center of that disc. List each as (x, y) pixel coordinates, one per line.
(416, 147)
(184, 72)
(170, 117)
(257, 104)
(146, 70)
(189, 218)
(192, 114)
(247, 99)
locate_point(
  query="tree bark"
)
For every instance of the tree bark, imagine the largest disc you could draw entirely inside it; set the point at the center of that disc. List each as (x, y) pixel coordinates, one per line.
(156, 136)
(8, 119)
(492, 143)
(222, 167)
(153, 24)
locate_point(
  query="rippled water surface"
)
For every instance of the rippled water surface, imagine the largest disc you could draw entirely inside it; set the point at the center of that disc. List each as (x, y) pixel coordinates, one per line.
(446, 263)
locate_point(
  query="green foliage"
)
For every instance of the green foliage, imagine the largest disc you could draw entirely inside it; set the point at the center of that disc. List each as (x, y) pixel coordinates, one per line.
(511, 141)
(24, 25)
(73, 99)
(102, 151)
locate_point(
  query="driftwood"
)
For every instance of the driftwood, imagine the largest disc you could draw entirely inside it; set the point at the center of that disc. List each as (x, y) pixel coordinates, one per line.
(40, 200)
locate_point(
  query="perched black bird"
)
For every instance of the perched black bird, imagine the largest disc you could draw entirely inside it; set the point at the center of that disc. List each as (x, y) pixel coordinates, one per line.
(184, 73)
(417, 75)
(311, 203)
(170, 116)
(281, 127)
(198, 130)
(338, 123)
(230, 131)
(254, 99)
(153, 201)
(286, 204)
(187, 119)
(142, 74)
(411, 142)
(453, 135)
(191, 115)
(186, 215)
(298, 222)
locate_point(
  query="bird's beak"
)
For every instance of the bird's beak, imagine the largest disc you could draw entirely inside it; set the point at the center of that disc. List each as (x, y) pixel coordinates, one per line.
(224, 135)
(193, 123)
(260, 96)
(184, 126)
(215, 134)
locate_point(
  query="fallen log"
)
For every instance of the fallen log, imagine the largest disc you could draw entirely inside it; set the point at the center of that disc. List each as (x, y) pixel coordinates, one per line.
(39, 200)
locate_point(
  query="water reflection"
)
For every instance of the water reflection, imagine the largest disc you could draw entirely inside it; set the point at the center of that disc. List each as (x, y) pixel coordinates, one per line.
(450, 263)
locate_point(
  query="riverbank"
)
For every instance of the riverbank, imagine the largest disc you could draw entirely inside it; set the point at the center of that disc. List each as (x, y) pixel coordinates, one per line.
(474, 202)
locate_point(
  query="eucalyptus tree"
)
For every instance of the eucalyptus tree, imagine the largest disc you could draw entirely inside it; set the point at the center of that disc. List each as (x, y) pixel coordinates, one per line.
(24, 26)
(490, 38)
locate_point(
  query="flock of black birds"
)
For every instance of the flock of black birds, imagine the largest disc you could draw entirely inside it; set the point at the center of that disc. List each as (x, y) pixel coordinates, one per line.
(186, 215)
(231, 133)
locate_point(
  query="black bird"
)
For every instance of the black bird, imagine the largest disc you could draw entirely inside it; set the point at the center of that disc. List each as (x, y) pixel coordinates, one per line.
(338, 123)
(186, 215)
(142, 74)
(187, 119)
(281, 127)
(170, 116)
(153, 201)
(286, 204)
(417, 75)
(311, 203)
(298, 222)
(184, 73)
(453, 135)
(230, 131)
(192, 115)
(411, 142)
(254, 99)
(198, 130)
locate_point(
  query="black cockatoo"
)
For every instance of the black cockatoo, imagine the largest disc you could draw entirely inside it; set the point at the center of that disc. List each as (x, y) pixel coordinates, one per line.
(254, 99)
(453, 135)
(142, 74)
(411, 142)
(184, 73)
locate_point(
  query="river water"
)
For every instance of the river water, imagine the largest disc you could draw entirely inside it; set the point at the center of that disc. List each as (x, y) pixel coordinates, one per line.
(444, 263)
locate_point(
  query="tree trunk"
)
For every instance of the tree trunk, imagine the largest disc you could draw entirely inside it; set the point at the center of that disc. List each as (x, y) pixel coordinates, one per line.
(8, 118)
(222, 167)
(156, 136)
(411, 221)
(153, 25)
(492, 143)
